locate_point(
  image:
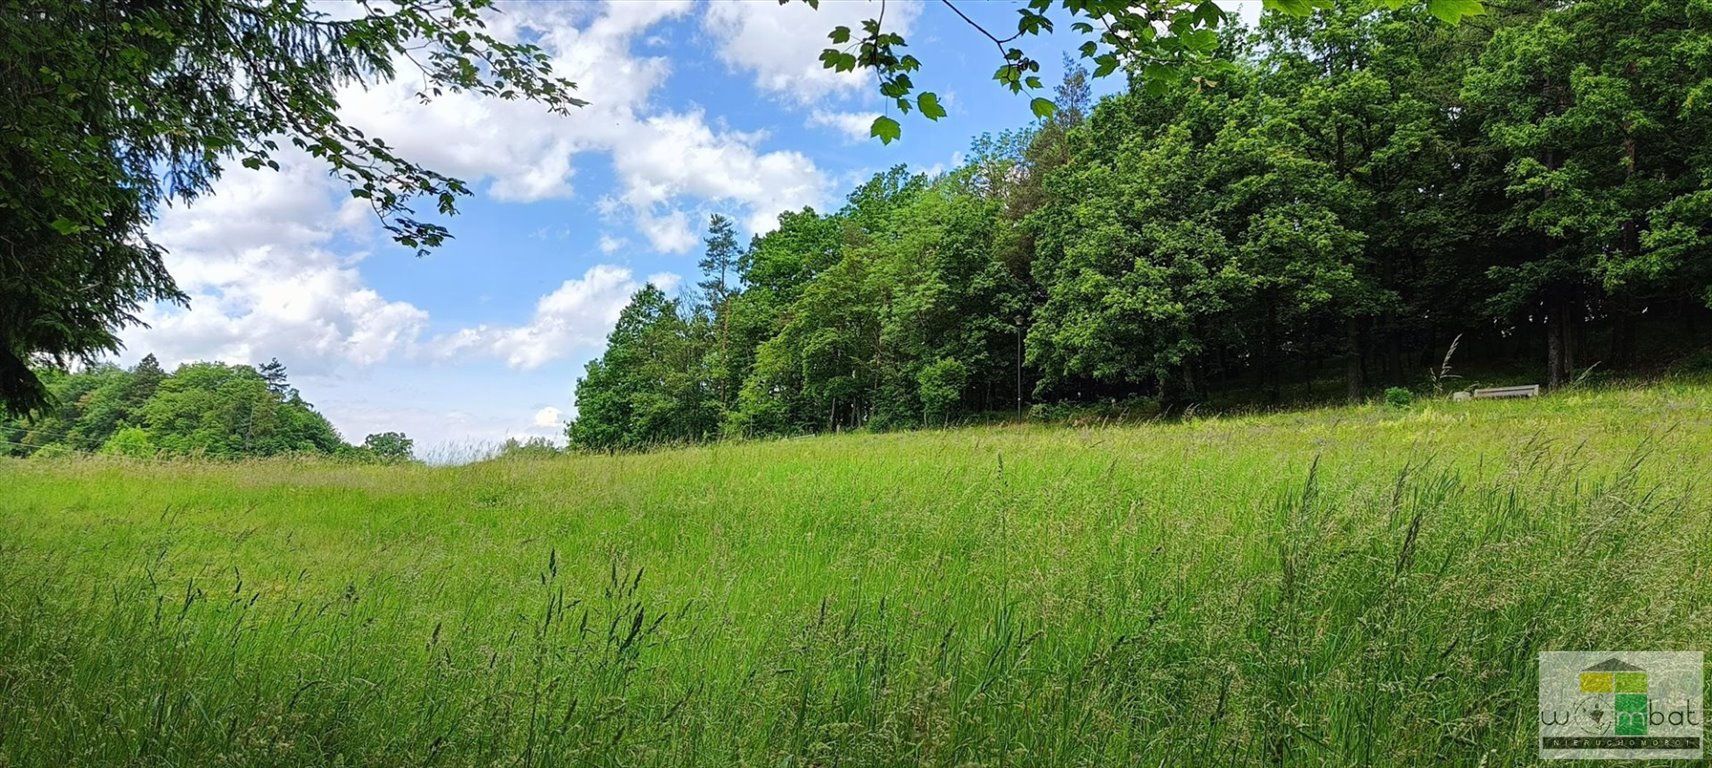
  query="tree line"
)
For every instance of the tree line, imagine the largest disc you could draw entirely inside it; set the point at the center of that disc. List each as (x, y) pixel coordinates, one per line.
(113, 109)
(210, 410)
(1359, 190)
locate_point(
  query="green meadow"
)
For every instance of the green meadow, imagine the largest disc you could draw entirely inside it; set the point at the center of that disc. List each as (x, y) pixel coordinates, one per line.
(1352, 586)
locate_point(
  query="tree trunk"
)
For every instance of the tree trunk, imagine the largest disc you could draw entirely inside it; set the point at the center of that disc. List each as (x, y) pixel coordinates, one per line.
(1352, 361)
(1269, 370)
(1394, 349)
(1554, 346)
(1623, 338)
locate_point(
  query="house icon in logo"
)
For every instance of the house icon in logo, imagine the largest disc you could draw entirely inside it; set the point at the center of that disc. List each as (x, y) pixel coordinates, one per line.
(1626, 684)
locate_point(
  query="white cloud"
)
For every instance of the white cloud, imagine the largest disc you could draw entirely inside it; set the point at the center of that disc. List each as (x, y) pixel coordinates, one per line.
(855, 126)
(668, 233)
(781, 44)
(469, 137)
(255, 258)
(610, 245)
(526, 154)
(575, 317)
(549, 417)
(678, 155)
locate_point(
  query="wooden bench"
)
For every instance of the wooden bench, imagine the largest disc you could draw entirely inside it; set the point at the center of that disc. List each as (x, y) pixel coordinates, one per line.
(1530, 390)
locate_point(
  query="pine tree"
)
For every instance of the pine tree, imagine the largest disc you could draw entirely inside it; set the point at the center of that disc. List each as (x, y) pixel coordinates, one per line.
(718, 268)
(273, 372)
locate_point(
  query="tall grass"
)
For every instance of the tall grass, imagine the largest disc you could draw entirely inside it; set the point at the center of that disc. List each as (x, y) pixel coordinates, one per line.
(1359, 586)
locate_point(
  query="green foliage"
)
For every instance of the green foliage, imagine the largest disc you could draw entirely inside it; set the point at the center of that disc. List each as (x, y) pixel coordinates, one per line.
(227, 411)
(202, 409)
(1362, 186)
(650, 386)
(942, 383)
(1398, 397)
(1453, 11)
(1164, 44)
(1603, 155)
(116, 108)
(885, 129)
(132, 442)
(389, 446)
(531, 448)
(53, 451)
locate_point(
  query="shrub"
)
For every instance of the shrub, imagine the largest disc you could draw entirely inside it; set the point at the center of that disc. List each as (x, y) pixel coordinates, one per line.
(532, 448)
(53, 451)
(1696, 364)
(941, 386)
(129, 441)
(1050, 412)
(1398, 397)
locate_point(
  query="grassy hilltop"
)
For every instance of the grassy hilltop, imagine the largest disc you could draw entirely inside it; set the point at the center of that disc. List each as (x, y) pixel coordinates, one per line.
(1354, 586)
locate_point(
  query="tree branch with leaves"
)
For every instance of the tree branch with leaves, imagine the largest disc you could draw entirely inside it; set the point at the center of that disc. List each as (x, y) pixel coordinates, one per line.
(1165, 43)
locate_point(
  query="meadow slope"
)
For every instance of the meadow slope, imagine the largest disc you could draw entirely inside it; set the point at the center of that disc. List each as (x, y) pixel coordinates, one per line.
(1354, 586)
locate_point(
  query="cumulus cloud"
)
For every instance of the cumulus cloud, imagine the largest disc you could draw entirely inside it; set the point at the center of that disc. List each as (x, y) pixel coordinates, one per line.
(662, 158)
(668, 232)
(780, 45)
(256, 260)
(854, 125)
(549, 417)
(610, 245)
(257, 255)
(678, 155)
(575, 317)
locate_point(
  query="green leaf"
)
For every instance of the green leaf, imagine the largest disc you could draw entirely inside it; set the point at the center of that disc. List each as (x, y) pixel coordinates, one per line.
(1162, 74)
(1292, 7)
(1452, 11)
(1043, 107)
(929, 104)
(887, 129)
(837, 60)
(1209, 13)
(1201, 40)
(840, 35)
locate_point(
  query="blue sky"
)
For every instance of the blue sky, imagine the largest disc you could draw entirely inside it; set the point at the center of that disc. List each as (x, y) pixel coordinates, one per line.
(697, 107)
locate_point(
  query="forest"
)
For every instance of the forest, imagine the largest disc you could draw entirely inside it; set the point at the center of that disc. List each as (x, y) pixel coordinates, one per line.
(1348, 198)
(200, 410)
